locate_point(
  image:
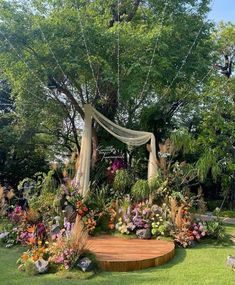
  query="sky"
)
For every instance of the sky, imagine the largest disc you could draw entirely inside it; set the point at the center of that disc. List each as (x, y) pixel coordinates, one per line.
(223, 10)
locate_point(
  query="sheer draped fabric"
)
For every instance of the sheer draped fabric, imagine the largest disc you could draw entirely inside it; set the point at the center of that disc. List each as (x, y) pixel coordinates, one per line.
(127, 136)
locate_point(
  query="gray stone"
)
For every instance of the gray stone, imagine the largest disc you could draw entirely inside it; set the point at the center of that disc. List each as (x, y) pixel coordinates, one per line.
(55, 230)
(42, 265)
(85, 264)
(144, 234)
(70, 213)
(4, 235)
(231, 261)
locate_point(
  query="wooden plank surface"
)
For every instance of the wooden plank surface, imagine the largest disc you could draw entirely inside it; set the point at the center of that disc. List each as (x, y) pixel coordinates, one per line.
(119, 254)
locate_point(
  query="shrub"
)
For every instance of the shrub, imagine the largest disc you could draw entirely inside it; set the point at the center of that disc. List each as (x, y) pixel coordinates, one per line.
(215, 227)
(140, 190)
(122, 181)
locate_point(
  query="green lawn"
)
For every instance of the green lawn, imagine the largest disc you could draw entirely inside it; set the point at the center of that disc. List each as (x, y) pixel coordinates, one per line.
(204, 264)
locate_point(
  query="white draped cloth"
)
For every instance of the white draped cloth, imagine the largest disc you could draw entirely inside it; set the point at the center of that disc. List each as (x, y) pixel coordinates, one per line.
(127, 136)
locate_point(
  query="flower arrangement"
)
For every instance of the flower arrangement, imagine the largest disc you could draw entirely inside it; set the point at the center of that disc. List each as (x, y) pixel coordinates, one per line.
(198, 230)
(17, 215)
(116, 165)
(34, 260)
(62, 251)
(144, 216)
(66, 250)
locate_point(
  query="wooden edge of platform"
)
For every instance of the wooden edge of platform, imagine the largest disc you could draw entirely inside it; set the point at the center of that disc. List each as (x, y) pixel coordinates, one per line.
(131, 265)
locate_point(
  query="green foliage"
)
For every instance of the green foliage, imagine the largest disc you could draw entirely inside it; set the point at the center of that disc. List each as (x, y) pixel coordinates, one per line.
(44, 192)
(44, 202)
(155, 183)
(182, 141)
(54, 31)
(216, 229)
(122, 181)
(99, 198)
(140, 190)
(158, 230)
(30, 268)
(49, 184)
(208, 162)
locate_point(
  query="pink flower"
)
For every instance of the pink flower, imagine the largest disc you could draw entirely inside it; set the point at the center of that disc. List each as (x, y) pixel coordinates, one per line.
(59, 259)
(198, 237)
(195, 233)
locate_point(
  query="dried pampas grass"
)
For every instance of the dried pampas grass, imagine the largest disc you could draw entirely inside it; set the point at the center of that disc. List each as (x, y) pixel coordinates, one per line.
(79, 235)
(10, 194)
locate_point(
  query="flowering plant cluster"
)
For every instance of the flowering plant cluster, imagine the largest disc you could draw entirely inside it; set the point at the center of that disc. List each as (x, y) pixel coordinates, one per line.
(61, 249)
(17, 215)
(114, 166)
(63, 253)
(93, 218)
(189, 234)
(23, 227)
(198, 230)
(32, 234)
(185, 230)
(143, 216)
(34, 260)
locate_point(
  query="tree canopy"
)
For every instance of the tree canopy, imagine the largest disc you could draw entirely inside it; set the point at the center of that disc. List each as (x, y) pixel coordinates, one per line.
(145, 64)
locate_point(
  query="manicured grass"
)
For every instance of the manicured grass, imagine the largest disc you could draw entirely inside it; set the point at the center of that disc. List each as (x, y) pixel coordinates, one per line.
(203, 264)
(227, 214)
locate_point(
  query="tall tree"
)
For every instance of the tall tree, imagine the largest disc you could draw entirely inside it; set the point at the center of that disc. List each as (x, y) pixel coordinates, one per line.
(119, 58)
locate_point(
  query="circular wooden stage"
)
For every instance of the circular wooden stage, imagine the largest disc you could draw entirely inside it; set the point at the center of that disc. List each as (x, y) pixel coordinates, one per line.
(119, 254)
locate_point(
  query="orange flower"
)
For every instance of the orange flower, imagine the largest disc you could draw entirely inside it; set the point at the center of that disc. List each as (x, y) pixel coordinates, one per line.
(31, 229)
(32, 240)
(41, 250)
(25, 256)
(111, 226)
(35, 257)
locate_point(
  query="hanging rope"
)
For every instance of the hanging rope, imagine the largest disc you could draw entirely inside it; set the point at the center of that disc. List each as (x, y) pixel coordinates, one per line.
(51, 51)
(87, 50)
(185, 59)
(187, 55)
(154, 50)
(26, 64)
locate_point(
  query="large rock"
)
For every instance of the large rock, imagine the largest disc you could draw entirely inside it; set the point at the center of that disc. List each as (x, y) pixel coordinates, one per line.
(144, 234)
(85, 264)
(55, 230)
(42, 265)
(70, 214)
(231, 261)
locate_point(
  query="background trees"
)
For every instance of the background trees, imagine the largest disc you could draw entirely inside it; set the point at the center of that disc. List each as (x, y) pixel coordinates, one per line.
(58, 55)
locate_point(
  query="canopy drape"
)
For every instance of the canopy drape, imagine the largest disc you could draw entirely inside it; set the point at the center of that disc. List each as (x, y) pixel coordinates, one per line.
(127, 136)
